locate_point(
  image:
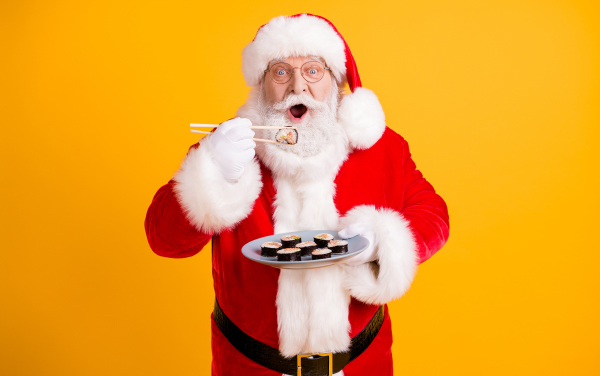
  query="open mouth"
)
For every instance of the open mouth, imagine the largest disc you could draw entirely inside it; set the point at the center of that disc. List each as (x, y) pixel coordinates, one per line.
(297, 112)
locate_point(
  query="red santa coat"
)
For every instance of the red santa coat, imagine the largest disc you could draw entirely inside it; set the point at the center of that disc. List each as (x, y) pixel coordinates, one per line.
(376, 182)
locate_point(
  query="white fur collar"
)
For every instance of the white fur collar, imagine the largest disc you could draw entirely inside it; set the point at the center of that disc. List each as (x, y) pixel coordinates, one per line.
(312, 304)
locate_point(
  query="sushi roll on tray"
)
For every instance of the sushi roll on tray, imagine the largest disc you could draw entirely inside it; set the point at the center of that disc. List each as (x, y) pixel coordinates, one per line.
(290, 241)
(322, 240)
(269, 249)
(289, 254)
(338, 247)
(307, 247)
(321, 253)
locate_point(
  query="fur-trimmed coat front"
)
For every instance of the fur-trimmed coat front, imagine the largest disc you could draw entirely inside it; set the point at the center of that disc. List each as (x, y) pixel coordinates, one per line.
(315, 310)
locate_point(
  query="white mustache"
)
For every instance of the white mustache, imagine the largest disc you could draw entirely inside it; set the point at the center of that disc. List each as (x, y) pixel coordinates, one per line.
(295, 99)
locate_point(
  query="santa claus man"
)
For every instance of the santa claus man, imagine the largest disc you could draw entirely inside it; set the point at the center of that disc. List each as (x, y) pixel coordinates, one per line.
(347, 172)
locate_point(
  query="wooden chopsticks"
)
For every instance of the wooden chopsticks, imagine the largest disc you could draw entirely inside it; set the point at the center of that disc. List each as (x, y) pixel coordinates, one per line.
(251, 127)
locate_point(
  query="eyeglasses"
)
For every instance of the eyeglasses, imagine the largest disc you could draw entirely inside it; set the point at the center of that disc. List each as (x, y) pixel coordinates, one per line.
(312, 71)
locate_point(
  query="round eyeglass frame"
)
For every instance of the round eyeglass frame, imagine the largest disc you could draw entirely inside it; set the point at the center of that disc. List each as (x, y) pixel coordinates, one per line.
(301, 73)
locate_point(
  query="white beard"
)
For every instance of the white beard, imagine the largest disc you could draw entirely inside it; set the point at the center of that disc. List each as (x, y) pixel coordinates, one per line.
(322, 144)
(313, 133)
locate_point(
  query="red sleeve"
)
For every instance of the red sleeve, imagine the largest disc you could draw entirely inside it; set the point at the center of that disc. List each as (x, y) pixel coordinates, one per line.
(425, 210)
(169, 232)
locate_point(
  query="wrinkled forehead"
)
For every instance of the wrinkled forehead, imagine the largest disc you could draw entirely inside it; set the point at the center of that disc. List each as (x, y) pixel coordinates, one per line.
(307, 58)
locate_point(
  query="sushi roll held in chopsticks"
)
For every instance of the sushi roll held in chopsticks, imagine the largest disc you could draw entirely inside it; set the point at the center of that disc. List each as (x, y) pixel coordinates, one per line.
(338, 247)
(289, 254)
(290, 241)
(321, 253)
(307, 247)
(269, 249)
(322, 240)
(287, 136)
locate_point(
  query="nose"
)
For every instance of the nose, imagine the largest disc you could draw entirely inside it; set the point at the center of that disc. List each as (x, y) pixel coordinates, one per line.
(298, 84)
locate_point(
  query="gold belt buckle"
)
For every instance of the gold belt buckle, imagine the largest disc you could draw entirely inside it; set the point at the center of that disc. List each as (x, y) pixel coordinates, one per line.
(299, 361)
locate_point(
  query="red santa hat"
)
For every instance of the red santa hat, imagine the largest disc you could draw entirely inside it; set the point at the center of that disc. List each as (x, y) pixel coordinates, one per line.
(299, 35)
(310, 35)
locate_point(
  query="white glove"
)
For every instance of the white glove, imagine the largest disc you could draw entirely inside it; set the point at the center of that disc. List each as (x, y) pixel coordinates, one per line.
(368, 254)
(233, 147)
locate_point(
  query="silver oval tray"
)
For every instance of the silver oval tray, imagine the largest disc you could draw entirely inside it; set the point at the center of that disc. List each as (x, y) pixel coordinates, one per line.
(251, 250)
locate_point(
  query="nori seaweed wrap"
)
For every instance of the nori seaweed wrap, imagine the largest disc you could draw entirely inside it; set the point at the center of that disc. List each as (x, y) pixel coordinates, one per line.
(307, 247)
(322, 240)
(338, 246)
(269, 249)
(290, 241)
(289, 254)
(321, 253)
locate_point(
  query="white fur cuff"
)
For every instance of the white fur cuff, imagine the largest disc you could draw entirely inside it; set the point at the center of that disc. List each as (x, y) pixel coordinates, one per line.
(396, 253)
(293, 36)
(211, 203)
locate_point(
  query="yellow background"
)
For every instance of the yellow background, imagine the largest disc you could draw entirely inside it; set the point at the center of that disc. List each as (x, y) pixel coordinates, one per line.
(498, 100)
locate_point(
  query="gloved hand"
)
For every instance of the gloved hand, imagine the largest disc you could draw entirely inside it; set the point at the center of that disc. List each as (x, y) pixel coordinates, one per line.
(368, 254)
(232, 147)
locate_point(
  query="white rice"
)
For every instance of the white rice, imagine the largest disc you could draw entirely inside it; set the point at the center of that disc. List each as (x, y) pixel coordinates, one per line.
(336, 243)
(306, 244)
(271, 245)
(288, 250)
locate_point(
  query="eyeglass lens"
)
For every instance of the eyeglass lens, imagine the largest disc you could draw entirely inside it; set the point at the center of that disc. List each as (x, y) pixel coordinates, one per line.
(312, 71)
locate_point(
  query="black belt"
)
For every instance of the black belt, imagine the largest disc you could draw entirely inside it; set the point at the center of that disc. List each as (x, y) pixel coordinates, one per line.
(302, 364)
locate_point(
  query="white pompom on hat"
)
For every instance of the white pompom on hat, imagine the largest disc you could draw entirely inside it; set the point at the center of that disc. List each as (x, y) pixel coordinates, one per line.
(310, 35)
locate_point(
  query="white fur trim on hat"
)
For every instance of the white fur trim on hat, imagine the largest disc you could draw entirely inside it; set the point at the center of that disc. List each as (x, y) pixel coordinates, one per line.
(210, 202)
(362, 117)
(397, 257)
(286, 36)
